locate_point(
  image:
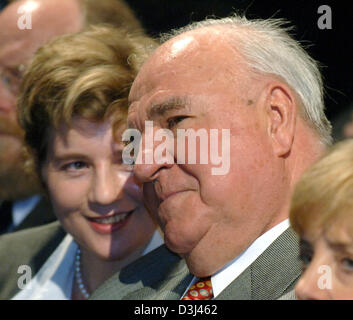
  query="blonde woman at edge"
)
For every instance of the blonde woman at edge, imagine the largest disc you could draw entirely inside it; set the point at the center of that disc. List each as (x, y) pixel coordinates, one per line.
(322, 214)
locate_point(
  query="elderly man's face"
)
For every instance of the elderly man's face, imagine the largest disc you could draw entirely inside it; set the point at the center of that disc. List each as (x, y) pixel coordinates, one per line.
(201, 83)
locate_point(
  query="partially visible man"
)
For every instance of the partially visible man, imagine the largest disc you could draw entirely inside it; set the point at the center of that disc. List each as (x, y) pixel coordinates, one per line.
(232, 230)
(25, 25)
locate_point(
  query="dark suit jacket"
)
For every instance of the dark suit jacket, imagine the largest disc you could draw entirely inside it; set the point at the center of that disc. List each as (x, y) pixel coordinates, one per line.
(31, 247)
(163, 275)
(41, 214)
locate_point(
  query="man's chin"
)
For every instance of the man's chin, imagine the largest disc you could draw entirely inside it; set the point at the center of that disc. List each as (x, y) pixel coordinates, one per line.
(199, 267)
(180, 247)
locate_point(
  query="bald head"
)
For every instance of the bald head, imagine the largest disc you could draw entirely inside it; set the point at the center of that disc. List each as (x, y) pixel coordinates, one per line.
(207, 50)
(268, 49)
(47, 20)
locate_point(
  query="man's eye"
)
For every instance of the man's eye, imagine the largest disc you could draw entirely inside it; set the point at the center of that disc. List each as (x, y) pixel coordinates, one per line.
(10, 81)
(5, 80)
(175, 120)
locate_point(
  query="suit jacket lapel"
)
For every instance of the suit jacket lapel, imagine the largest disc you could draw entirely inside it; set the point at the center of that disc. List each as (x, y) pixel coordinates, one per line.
(271, 275)
(277, 270)
(174, 285)
(170, 287)
(239, 289)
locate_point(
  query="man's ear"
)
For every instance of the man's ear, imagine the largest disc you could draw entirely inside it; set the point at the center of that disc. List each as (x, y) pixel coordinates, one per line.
(281, 115)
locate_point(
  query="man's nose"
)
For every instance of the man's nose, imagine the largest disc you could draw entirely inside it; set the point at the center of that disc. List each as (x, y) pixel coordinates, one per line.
(152, 159)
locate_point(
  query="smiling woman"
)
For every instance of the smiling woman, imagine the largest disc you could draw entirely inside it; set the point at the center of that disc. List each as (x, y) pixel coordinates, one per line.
(73, 108)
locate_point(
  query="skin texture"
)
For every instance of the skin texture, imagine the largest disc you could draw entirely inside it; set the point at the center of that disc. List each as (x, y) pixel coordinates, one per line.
(49, 19)
(348, 128)
(210, 219)
(85, 178)
(327, 256)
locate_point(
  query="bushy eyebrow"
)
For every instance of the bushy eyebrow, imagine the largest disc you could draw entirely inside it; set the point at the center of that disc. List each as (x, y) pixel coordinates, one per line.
(172, 104)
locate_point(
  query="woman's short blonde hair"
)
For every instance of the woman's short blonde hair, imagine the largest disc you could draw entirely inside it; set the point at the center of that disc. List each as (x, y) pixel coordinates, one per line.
(325, 191)
(87, 74)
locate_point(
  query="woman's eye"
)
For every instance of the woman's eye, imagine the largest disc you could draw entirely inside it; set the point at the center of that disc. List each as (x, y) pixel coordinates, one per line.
(76, 165)
(175, 120)
(305, 253)
(347, 264)
(305, 258)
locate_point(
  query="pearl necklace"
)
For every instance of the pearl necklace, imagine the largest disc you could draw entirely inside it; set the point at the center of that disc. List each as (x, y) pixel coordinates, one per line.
(78, 274)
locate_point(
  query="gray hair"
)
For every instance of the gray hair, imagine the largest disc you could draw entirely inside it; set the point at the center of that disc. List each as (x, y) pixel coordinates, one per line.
(269, 49)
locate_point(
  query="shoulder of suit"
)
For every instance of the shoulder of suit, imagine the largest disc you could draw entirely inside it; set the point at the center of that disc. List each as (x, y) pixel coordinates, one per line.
(160, 257)
(31, 235)
(289, 296)
(146, 271)
(30, 247)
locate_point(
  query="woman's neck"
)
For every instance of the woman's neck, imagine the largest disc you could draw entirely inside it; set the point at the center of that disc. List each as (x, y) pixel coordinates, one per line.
(95, 270)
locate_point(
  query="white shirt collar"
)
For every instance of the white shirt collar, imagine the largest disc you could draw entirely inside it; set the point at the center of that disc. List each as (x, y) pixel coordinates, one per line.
(233, 269)
(54, 279)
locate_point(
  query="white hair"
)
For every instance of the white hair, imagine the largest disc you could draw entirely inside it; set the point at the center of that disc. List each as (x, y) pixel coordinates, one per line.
(269, 49)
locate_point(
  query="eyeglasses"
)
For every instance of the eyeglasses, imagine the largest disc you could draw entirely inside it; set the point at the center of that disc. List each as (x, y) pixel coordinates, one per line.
(11, 78)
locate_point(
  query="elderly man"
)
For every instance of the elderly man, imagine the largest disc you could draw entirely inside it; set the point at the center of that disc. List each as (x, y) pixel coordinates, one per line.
(231, 229)
(26, 25)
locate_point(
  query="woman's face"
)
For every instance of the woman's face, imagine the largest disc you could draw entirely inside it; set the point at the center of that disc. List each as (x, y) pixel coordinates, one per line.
(95, 195)
(327, 256)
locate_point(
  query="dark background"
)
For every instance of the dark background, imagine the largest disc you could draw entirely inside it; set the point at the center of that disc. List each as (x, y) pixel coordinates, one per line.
(332, 48)
(2, 4)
